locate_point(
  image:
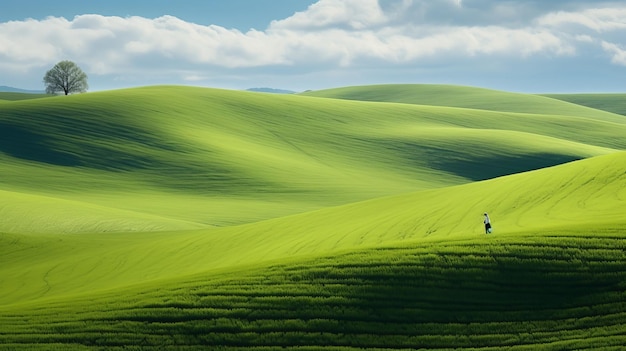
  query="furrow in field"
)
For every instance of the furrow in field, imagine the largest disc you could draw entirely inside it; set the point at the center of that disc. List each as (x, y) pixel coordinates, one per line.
(430, 295)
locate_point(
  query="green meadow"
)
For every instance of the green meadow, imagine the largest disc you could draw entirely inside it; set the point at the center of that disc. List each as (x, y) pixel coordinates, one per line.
(615, 103)
(184, 218)
(10, 96)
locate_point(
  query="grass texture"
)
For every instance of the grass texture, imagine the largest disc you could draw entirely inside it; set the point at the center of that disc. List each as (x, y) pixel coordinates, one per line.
(585, 193)
(615, 103)
(11, 96)
(520, 293)
(227, 157)
(478, 98)
(178, 218)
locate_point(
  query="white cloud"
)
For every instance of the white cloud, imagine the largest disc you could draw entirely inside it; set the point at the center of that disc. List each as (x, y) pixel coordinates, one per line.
(28, 41)
(398, 46)
(584, 38)
(194, 78)
(330, 34)
(598, 19)
(109, 44)
(353, 14)
(618, 54)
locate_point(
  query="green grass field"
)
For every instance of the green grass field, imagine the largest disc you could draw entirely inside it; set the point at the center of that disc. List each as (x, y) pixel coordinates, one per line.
(482, 99)
(181, 218)
(615, 103)
(10, 96)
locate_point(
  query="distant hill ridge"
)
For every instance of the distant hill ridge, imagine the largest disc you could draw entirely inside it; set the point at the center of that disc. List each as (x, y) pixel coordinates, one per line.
(466, 97)
(615, 103)
(271, 90)
(7, 89)
(224, 157)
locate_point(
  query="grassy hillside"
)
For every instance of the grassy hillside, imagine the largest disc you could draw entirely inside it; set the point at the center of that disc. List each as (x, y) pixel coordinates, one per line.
(25, 213)
(14, 96)
(585, 193)
(550, 277)
(519, 293)
(178, 218)
(466, 97)
(218, 157)
(615, 103)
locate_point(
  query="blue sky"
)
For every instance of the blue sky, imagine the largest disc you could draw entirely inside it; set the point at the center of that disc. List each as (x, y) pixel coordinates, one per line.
(240, 14)
(526, 45)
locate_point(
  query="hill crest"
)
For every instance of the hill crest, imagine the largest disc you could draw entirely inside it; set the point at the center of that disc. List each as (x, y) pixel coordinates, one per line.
(221, 155)
(4, 88)
(342, 224)
(465, 97)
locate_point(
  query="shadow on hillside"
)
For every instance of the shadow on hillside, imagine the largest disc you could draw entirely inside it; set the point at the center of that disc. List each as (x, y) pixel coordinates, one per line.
(454, 289)
(492, 167)
(24, 144)
(469, 161)
(477, 165)
(516, 284)
(101, 147)
(428, 297)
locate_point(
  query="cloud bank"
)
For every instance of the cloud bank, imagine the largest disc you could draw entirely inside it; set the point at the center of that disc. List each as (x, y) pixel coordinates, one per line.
(330, 36)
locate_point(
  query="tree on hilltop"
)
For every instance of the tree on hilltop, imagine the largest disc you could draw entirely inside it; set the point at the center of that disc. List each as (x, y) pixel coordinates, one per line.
(65, 77)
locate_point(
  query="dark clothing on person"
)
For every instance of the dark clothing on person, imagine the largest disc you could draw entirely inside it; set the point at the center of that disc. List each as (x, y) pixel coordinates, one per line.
(487, 222)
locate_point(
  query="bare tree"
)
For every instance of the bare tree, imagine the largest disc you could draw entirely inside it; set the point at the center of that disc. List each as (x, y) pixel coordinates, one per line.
(67, 77)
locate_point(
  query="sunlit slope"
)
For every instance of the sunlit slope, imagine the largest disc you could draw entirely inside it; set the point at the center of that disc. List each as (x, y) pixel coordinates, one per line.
(584, 194)
(205, 155)
(466, 97)
(221, 157)
(615, 103)
(23, 213)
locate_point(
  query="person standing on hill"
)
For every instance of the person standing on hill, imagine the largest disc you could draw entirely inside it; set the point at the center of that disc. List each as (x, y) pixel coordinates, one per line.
(487, 222)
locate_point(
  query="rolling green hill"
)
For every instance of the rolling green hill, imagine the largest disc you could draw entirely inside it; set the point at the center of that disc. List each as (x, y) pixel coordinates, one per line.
(615, 103)
(580, 193)
(180, 218)
(413, 271)
(14, 96)
(518, 294)
(466, 97)
(225, 157)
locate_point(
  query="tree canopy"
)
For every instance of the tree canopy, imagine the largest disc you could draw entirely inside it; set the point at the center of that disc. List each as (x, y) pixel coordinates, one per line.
(65, 77)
